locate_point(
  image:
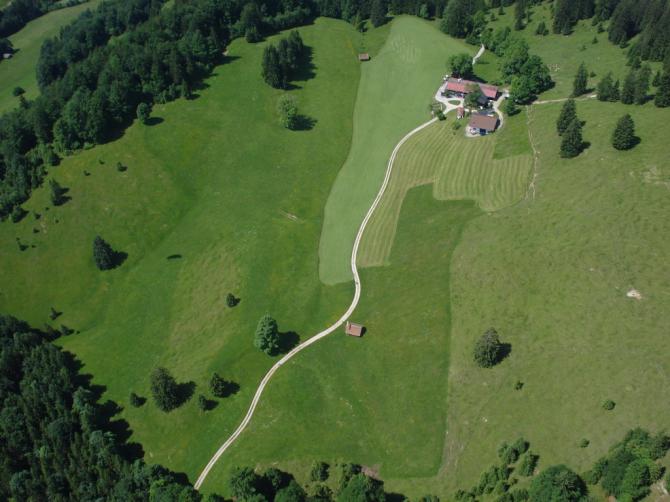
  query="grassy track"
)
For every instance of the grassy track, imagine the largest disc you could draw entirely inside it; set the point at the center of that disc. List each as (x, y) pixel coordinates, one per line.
(240, 199)
(562, 54)
(459, 167)
(20, 70)
(395, 90)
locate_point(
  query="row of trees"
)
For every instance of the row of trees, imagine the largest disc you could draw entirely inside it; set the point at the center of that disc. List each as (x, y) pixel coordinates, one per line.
(281, 63)
(56, 441)
(636, 86)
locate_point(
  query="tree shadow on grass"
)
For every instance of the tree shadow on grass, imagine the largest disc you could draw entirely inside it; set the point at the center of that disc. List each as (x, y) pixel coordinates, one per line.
(306, 69)
(119, 258)
(304, 123)
(185, 392)
(505, 352)
(154, 121)
(174, 257)
(287, 341)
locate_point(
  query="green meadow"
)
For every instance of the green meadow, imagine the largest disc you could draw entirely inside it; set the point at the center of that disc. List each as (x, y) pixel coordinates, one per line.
(396, 88)
(20, 70)
(562, 54)
(496, 231)
(237, 202)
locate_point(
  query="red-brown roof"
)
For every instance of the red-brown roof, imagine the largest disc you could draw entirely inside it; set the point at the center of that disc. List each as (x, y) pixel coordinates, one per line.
(354, 329)
(486, 122)
(465, 86)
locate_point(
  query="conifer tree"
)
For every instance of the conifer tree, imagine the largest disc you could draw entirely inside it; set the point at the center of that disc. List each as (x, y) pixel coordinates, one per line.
(267, 335)
(616, 93)
(642, 85)
(628, 91)
(605, 89)
(662, 98)
(623, 137)
(164, 390)
(567, 116)
(581, 81)
(572, 142)
(271, 68)
(57, 192)
(519, 14)
(103, 254)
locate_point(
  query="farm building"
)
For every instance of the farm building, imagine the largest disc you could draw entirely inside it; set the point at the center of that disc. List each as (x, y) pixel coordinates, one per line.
(482, 124)
(353, 329)
(460, 87)
(364, 56)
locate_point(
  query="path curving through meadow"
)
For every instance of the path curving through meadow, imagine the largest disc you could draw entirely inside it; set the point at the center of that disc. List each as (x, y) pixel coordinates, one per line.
(322, 334)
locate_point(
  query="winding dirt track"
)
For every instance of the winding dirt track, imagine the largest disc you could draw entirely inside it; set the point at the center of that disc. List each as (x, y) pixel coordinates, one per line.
(325, 332)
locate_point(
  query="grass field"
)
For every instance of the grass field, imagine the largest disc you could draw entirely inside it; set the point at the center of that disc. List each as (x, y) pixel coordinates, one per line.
(219, 182)
(20, 70)
(395, 91)
(459, 168)
(562, 54)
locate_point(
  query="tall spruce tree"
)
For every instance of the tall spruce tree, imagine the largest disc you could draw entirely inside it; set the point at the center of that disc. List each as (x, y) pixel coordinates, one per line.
(581, 81)
(628, 90)
(662, 98)
(572, 142)
(642, 85)
(519, 14)
(164, 390)
(605, 89)
(103, 254)
(567, 116)
(623, 137)
(267, 335)
(271, 69)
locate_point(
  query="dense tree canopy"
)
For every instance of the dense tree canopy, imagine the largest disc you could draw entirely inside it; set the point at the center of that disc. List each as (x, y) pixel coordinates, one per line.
(558, 484)
(56, 442)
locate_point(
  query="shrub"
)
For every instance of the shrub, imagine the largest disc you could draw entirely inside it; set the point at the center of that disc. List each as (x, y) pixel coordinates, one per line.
(609, 405)
(584, 443)
(218, 386)
(488, 350)
(203, 404)
(104, 256)
(135, 400)
(528, 464)
(120, 167)
(231, 301)
(287, 108)
(319, 471)
(558, 483)
(510, 107)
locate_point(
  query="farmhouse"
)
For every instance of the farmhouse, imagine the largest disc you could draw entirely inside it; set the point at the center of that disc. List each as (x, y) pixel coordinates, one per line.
(482, 124)
(460, 87)
(364, 56)
(353, 329)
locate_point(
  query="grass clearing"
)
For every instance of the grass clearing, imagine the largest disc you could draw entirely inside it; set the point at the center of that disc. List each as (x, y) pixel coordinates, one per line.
(240, 199)
(20, 70)
(459, 168)
(394, 93)
(551, 274)
(562, 54)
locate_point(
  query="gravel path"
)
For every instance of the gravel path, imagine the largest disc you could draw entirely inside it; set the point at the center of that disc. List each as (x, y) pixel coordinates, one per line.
(325, 332)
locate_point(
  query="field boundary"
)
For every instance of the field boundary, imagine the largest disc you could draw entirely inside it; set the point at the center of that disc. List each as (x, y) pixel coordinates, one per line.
(354, 303)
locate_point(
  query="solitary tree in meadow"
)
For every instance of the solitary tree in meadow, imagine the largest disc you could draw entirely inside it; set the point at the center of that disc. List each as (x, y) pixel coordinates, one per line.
(567, 115)
(572, 142)
(267, 335)
(164, 390)
(103, 254)
(287, 108)
(218, 386)
(623, 137)
(488, 350)
(581, 81)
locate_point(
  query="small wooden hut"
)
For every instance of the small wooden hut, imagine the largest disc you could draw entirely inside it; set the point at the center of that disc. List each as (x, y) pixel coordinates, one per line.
(353, 329)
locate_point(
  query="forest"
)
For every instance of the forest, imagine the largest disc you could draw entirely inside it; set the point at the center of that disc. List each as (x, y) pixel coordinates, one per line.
(57, 442)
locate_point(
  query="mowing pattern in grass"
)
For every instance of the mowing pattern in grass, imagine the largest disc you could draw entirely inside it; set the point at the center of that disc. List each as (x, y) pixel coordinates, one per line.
(395, 90)
(460, 168)
(20, 70)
